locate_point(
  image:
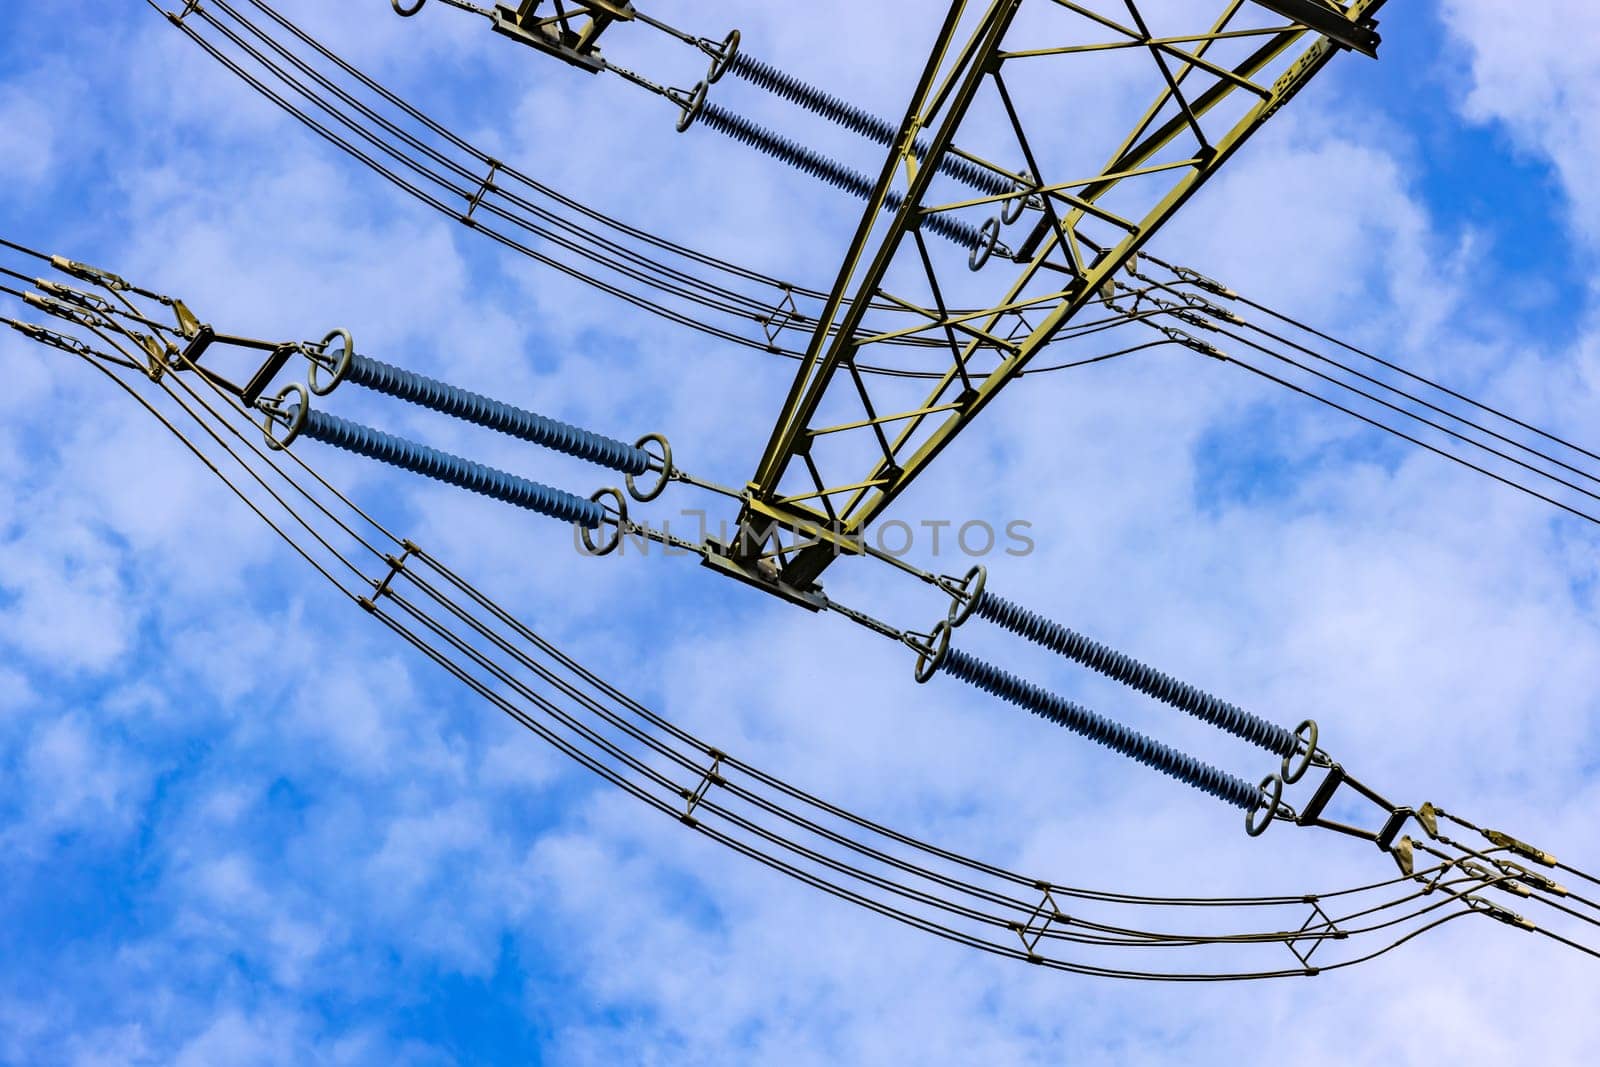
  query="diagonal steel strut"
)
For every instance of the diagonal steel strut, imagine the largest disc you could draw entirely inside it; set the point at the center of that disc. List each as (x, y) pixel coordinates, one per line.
(1213, 87)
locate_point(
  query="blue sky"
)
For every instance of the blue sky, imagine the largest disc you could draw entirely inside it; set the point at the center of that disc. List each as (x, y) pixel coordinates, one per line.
(243, 825)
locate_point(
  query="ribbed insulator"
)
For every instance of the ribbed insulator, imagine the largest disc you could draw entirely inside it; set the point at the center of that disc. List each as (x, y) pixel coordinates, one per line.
(1131, 672)
(830, 107)
(1204, 777)
(420, 459)
(826, 170)
(971, 174)
(863, 122)
(474, 407)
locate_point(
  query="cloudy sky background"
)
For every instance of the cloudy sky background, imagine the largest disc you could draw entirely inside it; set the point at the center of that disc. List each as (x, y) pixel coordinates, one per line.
(241, 824)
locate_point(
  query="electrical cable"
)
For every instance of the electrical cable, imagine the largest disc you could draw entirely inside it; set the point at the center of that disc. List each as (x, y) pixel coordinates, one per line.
(1453, 434)
(1552, 501)
(1403, 394)
(767, 311)
(1397, 368)
(812, 864)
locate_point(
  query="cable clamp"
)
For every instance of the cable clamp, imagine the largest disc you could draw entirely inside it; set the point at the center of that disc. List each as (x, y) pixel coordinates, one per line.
(690, 103)
(1496, 879)
(1188, 311)
(396, 565)
(61, 309)
(1194, 277)
(964, 593)
(93, 302)
(692, 798)
(280, 413)
(1046, 912)
(1189, 340)
(38, 333)
(1216, 311)
(931, 649)
(722, 55)
(1532, 878)
(1193, 319)
(1499, 914)
(1521, 848)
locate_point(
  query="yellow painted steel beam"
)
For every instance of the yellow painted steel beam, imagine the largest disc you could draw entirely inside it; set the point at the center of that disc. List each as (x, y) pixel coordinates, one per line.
(1193, 87)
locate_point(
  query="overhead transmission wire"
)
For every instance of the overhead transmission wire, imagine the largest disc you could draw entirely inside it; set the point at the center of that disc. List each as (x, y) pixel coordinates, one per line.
(1162, 940)
(1209, 317)
(464, 193)
(1206, 308)
(1083, 330)
(1104, 934)
(1503, 479)
(986, 180)
(1431, 383)
(619, 714)
(851, 118)
(568, 202)
(763, 311)
(458, 191)
(481, 189)
(1388, 364)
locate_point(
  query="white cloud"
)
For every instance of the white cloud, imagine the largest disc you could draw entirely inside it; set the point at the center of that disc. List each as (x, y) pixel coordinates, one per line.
(27, 139)
(77, 782)
(333, 823)
(1533, 74)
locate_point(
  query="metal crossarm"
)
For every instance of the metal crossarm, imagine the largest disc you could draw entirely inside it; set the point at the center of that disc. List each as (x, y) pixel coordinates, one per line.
(1329, 19)
(570, 31)
(843, 449)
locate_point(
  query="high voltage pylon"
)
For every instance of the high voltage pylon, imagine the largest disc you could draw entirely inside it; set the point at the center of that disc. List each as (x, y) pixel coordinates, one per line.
(844, 446)
(906, 348)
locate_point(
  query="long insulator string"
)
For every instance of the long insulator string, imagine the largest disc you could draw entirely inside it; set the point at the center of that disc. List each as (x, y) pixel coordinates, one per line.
(859, 120)
(485, 411)
(826, 170)
(1130, 672)
(1129, 742)
(453, 470)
